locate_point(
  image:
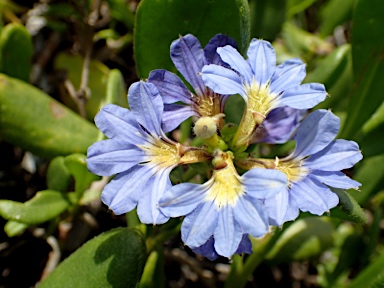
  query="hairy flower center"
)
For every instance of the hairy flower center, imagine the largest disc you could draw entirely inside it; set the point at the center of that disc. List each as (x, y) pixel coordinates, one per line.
(259, 98)
(226, 188)
(161, 154)
(292, 169)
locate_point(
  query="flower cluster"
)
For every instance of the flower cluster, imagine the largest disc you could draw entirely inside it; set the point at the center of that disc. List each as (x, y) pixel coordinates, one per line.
(221, 214)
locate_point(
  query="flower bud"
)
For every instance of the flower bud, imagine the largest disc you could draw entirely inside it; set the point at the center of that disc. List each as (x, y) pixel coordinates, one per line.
(205, 127)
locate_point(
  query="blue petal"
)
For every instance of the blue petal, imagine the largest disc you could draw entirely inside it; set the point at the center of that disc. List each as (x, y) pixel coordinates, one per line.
(281, 208)
(262, 183)
(181, 199)
(119, 123)
(174, 115)
(222, 80)
(288, 74)
(171, 88)
(207, 250)
(245, 245)
(338, 155)
(147, 106)
(188, 57)
(312, 196)
(305, 96)
(148, 208)
(218, 40)
(122, 193)
(335, 179)
(228, 233)
(233, 58)
(262, 58)
(279, 125)
(199, 225)
(315, 133)
(251, 216)
(109, 157)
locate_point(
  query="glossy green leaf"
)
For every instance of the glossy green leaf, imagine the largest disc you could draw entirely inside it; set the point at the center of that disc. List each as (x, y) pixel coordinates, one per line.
(349, 206)
(58, 176)
(116, 91)
(14, 228)
(158, 23)
(267, 18)
(77, 166)
(44, 206)
(330, 20)
(115, 259)
(16, 51)
(303, 239)
(34, 121)
(372, 276)
(97, 81)
(368, 64)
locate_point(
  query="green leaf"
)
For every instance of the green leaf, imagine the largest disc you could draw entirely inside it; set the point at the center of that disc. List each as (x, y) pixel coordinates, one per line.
(116, 90)
(120, 10)
(14, 228)
(115, 259)
(330, 20)
(77, 166)
(158, 23)
(267, 18)
(348, 205)
(303, 239)
(297, 6)
(46, 127)
(153, 274)
(44, 206)
(58, 176)
(16, 51)
(368, 65)
(372, 276)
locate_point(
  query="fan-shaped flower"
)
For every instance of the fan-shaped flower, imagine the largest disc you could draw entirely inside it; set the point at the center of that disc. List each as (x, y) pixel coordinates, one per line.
(189, 58)
(226, 207)
(139, 152)
(263, 86)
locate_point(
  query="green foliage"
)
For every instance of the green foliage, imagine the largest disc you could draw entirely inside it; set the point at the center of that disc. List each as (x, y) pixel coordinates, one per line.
(16, 51)
(348, 205)
(113, 259)
(158, 23)
(58, 176)
(36, 122)
(44, 206)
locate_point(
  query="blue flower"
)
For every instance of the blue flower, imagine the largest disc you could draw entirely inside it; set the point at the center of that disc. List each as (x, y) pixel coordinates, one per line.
(263, 86)
(313, 167)
(225, 207)
(139, 152)
(189, 58)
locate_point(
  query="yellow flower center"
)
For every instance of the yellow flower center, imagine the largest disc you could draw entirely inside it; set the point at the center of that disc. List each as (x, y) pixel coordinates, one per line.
(226, 186)
(292, 169)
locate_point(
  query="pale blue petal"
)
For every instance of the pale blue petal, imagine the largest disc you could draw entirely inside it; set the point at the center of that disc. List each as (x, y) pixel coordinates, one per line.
(338, 155)
(148, 208)
(315, 133)
(262, 183)
(170, 86)
(109, 157)
(313, 196)
(305, 96)
(188, 57)
(335, 179)
(288, 74)
(233, 58)
(281, 208)
(147, 106)
(251, 216)
(199, 225)
(181, 199)
(122, 193)
(174, 115)
(262, 58)
(228, 233)
(119, 123)
(222, 80)
(219, 40)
